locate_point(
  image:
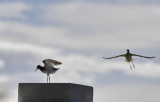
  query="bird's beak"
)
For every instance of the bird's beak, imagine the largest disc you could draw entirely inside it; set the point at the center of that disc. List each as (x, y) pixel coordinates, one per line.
(35, 69)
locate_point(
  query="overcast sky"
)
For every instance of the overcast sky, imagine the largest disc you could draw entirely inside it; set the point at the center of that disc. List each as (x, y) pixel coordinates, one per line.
(79, 33)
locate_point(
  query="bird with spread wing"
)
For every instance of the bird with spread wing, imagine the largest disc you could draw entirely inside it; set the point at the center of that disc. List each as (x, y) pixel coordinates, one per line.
(48, 67)
(128, 57)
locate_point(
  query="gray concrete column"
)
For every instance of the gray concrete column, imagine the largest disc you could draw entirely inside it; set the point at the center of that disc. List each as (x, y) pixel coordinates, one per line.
(54, 92)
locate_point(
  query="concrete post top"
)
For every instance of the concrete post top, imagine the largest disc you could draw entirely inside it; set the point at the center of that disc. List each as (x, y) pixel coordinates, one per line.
(54, 92)
(53, 84)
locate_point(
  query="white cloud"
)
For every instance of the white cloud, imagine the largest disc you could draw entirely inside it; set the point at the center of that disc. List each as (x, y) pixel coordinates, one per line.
(127, 92)
(12, 96)
(66, 38)
(109, 26)
(2, 64)
(105, 26)
(4, 79)
(43, 35)
(26, 48)
(104, 16)
(13, 10)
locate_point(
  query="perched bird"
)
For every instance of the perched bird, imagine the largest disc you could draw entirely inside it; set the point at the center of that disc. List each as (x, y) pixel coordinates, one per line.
(48, 67)
(128, 57)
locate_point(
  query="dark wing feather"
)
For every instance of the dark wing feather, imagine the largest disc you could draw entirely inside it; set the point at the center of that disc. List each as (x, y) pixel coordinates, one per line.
(123, 55)
(50, 62)
(54, 61)
(141, 56)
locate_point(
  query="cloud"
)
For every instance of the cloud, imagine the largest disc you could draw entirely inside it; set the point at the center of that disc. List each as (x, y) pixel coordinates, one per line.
(85, 26)
(127, 92)
(26, 47)
(12, 96)
(88, 26)
(66, 38)
(91, 15)
(35, 34)
(2, 63)
(13, 10)
(107, 26)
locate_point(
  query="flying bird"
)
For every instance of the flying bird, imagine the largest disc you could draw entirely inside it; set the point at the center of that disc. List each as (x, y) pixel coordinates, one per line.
(48, 67)
(128, 57)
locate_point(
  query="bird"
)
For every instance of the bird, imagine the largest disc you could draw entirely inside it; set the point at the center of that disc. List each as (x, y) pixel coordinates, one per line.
(48, 67)
(128, 57)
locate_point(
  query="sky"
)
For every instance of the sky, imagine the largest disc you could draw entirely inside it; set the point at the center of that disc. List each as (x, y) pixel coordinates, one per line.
(79, 33)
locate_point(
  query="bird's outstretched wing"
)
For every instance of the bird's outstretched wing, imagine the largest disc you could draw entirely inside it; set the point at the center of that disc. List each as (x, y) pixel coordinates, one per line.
(142, 56)
(50, 62)
(123, 55)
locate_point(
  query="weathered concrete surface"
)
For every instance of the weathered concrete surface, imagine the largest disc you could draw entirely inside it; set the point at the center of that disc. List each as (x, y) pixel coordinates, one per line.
(54, 92)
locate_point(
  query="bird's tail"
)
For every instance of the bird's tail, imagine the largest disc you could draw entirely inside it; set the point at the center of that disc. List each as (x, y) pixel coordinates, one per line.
(57, 68)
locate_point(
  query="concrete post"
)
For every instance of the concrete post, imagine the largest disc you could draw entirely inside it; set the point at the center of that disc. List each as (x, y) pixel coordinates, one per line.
(54, 92)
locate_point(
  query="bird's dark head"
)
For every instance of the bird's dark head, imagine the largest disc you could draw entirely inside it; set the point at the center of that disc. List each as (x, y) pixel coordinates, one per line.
(127, 50)
(38, 67)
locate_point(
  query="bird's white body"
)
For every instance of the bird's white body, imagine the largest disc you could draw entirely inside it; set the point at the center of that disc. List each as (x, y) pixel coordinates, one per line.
(50, 71)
